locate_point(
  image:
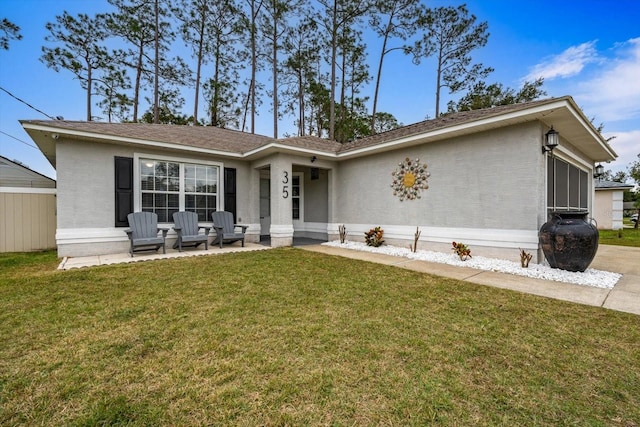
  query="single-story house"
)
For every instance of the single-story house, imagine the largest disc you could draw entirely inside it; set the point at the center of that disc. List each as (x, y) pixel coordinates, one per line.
(486, 178)
(608, 204)
(27, 208)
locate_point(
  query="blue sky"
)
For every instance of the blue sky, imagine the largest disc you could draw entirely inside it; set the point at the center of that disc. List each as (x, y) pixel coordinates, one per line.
(589, 49)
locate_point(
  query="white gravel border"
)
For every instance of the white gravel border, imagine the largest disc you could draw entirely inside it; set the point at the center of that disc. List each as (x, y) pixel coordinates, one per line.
(590, 277)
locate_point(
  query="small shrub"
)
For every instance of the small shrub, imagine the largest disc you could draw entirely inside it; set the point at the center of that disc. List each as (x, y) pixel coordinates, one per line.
(461, 250)
(343, 233)
(525, 257)
(373, 237)
(415, 240)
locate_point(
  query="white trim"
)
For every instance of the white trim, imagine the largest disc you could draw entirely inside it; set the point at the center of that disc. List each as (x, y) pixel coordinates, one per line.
(579, 116)
(568, 156)
(29, 190)
(182, 160)
(300, 197)
(281, 230)
(67, 236)
(492, 237)
(279, 148)
(313, 227)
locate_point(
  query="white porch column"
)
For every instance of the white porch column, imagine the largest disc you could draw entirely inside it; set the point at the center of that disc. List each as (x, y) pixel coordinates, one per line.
(334, 217)
(281, 229)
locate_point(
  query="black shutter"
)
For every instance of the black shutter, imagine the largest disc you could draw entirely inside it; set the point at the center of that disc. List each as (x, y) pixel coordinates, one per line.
(230, 191)
(124, 189)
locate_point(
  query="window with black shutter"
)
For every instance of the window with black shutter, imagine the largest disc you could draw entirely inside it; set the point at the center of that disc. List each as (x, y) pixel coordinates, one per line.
(123, 190)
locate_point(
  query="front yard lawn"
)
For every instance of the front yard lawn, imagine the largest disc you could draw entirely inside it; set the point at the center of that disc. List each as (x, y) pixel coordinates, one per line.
(291, 337)
(623, 237)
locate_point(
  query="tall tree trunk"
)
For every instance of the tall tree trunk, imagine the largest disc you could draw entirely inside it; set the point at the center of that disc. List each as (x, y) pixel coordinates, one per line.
(254, 65)
(156, 96)
(215, 99)
(342, 113)
(375, 94)
(199, 69)
(334, 48)
(275, 79)
(89, 84)
(438, 85)
(301, 115)
(136, 90)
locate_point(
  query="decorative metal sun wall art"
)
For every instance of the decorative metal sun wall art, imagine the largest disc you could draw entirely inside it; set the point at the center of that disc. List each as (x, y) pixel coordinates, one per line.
(410, 179)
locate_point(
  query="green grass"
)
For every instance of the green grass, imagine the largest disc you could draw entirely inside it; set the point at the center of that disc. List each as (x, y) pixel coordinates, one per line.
(290, 337)
(623, 237)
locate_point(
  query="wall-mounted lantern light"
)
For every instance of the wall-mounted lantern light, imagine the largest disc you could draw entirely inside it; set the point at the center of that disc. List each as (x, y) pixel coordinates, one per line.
(313, 159)
(599, 171)
(551, 139)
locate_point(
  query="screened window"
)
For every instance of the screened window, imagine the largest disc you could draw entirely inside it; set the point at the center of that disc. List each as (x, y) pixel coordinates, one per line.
(568, 186)
(167, 187)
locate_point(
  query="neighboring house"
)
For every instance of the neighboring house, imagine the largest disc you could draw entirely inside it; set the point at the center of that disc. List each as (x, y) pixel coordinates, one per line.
(27, 208)
(608, 204)
(490, 183)
(629, 208)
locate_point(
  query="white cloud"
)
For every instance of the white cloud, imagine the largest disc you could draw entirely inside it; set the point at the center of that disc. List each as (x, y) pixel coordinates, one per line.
(627, 147)
(614, 92)
(567, 64)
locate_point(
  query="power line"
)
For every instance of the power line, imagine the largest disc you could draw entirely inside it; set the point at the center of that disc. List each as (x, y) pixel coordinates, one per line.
(26, 103)
(19, 140)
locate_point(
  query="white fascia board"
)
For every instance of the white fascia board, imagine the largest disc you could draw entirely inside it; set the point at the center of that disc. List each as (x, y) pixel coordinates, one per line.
(134, 141)
(279, 148)
(28, 190)
(592, 131)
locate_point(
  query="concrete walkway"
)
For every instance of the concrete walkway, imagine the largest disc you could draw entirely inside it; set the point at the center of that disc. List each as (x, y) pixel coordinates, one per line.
(625, 296)
(92, 261)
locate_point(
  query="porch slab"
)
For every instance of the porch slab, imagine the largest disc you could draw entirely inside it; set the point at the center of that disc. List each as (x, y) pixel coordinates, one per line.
(91, 261)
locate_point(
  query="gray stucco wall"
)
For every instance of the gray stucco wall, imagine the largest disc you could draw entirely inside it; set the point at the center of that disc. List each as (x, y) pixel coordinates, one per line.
(488, 180)
(86, 194)
(315, 195)
(85, 175)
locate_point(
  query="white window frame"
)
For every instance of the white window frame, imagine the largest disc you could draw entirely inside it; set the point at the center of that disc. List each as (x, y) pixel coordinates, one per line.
(137, 192)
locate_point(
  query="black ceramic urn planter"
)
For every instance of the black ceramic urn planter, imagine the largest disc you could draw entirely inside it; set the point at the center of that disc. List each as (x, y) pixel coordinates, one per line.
(568, 240)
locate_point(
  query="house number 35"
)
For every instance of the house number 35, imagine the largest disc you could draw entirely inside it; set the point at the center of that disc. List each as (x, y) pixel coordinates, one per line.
(285, 187)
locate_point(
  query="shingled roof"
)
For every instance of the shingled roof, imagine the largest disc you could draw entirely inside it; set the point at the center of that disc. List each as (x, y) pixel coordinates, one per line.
(208, 137)
(442, 122)
(602, 184)
(242, 144)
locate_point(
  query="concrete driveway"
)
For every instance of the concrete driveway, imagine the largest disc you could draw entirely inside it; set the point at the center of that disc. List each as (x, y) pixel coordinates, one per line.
(625, 296)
